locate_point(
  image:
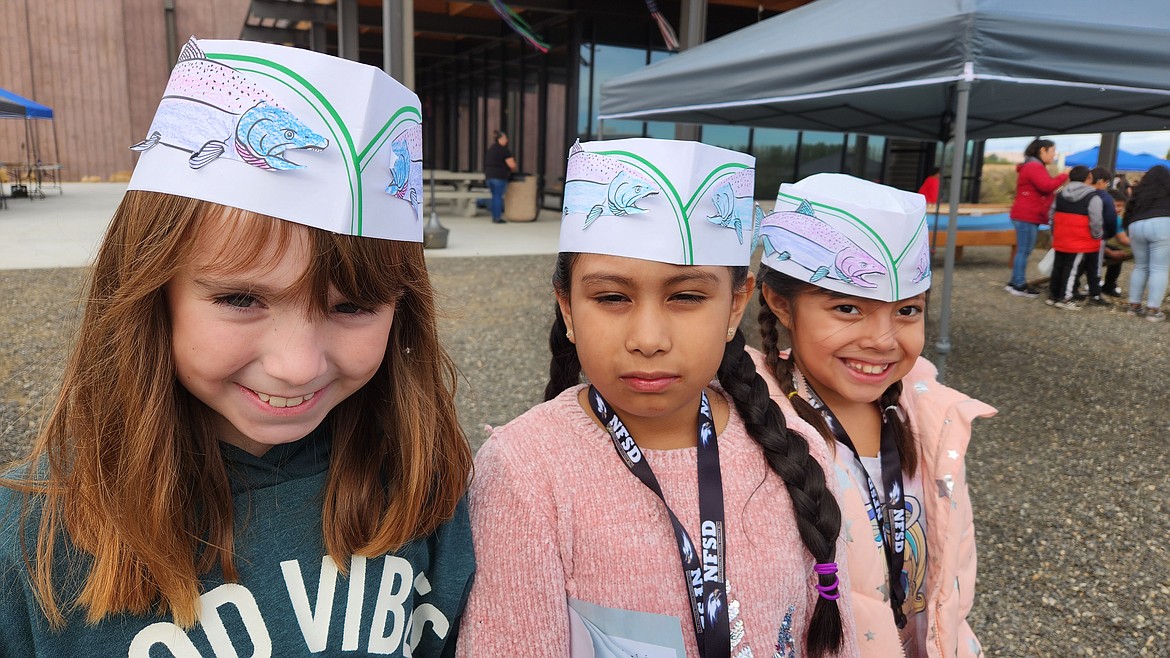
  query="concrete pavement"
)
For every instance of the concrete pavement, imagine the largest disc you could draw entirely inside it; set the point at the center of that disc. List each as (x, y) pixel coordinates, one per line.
(63, 230)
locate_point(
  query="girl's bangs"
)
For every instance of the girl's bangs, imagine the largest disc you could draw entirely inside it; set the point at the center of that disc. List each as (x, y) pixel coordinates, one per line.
(368, 272)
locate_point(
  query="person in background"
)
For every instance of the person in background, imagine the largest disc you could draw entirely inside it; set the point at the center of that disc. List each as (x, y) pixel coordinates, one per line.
(1034, 190)
(1147, 221)
(1117, 248)
(930, 186)
(1077, 229)
(498, 165)
(1100, 180)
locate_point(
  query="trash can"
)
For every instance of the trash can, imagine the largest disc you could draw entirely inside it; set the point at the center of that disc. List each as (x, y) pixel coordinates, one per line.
(520, 203)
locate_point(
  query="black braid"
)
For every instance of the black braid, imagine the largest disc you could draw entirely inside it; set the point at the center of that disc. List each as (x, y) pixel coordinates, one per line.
(564, 368)
(903, 433)
(818, 517)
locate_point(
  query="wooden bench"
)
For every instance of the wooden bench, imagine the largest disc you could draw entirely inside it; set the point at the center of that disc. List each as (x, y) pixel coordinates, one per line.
(976, 239)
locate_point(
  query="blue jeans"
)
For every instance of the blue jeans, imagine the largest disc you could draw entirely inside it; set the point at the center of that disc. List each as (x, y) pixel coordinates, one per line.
(1150, 239)
(497, 186)
(1025, 243)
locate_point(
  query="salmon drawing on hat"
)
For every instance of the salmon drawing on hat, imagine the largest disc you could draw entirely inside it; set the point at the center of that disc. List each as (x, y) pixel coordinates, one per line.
(804, 239)
(211, 110)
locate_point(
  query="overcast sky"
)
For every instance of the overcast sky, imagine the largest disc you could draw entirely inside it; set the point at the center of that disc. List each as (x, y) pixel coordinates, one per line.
(1155, 143)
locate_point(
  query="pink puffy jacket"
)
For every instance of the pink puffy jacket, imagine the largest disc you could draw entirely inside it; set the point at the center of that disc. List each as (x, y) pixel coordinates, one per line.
(941, 418)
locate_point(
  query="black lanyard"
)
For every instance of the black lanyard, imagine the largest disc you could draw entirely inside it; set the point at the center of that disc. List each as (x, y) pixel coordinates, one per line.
(892, 519)
(704, 574)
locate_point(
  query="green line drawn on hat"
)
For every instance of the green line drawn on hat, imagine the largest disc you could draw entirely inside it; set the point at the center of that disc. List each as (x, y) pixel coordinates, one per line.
(350, 156)
(913, 240)
(403, 115)
(858, 223)
(672, 195)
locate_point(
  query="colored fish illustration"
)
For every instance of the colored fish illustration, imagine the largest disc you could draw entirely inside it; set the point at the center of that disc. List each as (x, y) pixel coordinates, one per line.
(817, 247)
(585, 195)
(211, 110)
(621, 198)
(733, 199)
(725, 213)
(922, 262)
(405, 174)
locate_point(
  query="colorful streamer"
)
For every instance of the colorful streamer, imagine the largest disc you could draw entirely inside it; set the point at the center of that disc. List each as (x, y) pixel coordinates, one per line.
(664, 26)
(518, 25)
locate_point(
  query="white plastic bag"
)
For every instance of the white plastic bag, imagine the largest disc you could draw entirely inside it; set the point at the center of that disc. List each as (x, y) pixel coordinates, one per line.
(1045, 264)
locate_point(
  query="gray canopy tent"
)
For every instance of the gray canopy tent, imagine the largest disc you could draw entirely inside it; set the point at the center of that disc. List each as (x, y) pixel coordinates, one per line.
(921, 69)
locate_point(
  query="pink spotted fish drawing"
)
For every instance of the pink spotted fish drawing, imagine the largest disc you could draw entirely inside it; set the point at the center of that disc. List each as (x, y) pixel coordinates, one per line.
(814, 245)
(211, 110)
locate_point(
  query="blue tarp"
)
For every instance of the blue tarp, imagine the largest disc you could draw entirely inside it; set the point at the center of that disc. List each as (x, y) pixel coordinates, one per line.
(1126, 161)
(14, 105)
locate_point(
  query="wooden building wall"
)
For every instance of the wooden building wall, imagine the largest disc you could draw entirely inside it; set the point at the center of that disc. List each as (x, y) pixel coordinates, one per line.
(102, 67)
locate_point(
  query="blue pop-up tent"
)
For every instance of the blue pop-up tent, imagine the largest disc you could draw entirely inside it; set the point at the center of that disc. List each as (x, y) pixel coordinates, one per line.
(1126, 161)
(15, 106)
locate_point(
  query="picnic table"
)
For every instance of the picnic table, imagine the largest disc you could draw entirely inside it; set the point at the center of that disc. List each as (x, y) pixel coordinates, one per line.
(463, 188)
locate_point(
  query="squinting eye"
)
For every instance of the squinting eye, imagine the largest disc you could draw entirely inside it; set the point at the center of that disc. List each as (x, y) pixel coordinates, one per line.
(347, 308)
(239, 300)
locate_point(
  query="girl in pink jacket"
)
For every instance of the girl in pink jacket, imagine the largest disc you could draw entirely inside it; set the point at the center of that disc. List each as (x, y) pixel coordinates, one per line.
(662, 509)
(854, 376)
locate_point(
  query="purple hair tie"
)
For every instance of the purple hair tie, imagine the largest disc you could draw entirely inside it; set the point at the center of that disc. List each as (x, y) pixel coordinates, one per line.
(828, 592)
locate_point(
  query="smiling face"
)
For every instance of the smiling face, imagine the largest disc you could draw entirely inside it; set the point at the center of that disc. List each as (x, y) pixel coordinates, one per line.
(254, 351)
(651, 335)
(851, 349)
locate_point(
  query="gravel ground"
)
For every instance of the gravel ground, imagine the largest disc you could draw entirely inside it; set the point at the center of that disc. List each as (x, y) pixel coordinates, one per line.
(1069, 480)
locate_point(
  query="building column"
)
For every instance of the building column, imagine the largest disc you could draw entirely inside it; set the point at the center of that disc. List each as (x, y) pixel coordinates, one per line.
(1107, 155)
(398, 40)
(347, 30)
(692, 32)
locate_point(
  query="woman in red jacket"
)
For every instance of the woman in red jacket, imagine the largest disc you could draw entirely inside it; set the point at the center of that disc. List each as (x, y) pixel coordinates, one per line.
(1034, 190)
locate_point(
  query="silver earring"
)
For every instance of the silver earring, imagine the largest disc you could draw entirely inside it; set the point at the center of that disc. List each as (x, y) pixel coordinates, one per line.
(569, 334)
(731, 332)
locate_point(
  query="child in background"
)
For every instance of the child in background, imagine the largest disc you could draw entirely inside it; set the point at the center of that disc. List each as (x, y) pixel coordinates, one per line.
(255, 449)
(589, 527)
(1117, 249)
(1078, 226)
(854, 376)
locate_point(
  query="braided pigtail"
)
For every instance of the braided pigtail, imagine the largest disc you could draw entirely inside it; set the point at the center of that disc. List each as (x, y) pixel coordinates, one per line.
(818, 517)
(564, 368)
(893, 414)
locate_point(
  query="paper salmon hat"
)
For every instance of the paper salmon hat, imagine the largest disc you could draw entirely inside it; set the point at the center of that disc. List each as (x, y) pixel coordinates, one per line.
(849, 235)
(290, 133)
(663, 200)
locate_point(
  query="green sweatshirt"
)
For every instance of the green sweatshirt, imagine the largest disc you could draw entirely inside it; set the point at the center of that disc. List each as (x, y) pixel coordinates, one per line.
(290, 599)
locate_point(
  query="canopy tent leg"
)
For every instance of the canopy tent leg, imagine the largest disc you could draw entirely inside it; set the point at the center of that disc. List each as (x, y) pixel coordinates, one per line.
(958, 151)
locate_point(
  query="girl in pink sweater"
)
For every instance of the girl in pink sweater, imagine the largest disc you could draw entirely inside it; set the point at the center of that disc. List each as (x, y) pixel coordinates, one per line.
(854, 376)
(655, 511)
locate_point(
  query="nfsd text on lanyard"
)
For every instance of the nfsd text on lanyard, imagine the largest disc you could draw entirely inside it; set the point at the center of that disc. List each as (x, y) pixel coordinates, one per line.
(891, 516)
(704, 576)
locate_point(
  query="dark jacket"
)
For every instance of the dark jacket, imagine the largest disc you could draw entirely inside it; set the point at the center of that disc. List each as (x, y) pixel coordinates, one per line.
(495, 162)
(1034, 189)
(1077, 223)
(1158, 207)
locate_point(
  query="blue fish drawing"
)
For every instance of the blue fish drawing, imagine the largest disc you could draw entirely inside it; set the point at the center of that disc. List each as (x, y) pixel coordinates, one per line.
(621, 198)
(922, 262)
(211, 111)
(404, 174)
(814, 245)
(727, 212)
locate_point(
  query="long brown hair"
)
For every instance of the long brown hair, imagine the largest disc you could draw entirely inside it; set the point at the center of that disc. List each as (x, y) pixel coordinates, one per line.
(128, 467)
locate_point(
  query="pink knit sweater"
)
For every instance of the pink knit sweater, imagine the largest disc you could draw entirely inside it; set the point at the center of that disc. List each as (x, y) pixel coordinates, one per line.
(555, 514)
